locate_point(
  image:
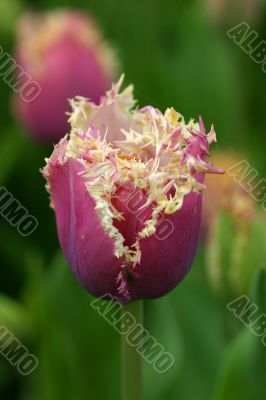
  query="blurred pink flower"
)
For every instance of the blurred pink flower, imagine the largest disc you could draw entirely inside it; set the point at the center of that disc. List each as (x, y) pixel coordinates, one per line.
(64, 53)
(112, 182)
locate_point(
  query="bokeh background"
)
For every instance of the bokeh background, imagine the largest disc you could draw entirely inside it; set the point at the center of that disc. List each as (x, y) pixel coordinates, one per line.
(177, 53)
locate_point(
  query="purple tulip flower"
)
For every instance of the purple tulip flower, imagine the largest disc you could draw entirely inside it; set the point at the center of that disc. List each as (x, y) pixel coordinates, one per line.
(126, 187)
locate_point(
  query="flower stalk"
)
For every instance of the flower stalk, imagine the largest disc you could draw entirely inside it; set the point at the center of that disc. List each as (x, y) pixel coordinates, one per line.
(131, 359)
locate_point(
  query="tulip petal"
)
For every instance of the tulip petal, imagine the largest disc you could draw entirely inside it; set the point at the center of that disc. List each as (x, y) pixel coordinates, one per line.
(86, 246)
(165, 262)
(129, 201)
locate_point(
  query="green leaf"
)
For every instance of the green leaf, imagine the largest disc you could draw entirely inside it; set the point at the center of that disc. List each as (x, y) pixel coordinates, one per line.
(75, 346)
(160, 320)
(243, 371)
(14, 317)
(234, 378)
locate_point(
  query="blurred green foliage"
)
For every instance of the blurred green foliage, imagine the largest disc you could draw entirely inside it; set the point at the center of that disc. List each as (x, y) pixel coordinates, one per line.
(176, 56)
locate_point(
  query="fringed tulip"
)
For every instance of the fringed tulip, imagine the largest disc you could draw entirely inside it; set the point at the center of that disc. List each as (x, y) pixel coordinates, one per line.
(64, 53)
(126, 188)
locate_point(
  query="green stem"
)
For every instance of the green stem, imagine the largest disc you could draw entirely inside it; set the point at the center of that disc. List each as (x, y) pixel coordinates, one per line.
(131, 360)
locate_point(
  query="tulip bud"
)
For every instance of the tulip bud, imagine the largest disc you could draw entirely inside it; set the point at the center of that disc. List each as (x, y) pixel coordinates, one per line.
(229, 195)
(233, 230)
(64, 53)
(114, 180)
